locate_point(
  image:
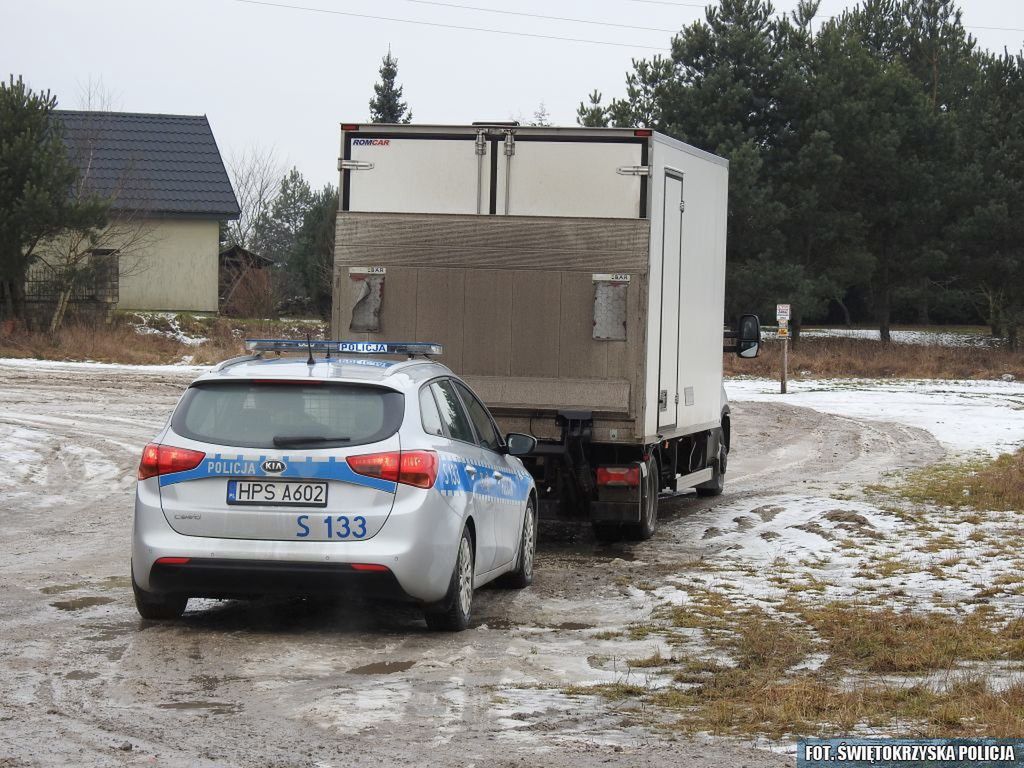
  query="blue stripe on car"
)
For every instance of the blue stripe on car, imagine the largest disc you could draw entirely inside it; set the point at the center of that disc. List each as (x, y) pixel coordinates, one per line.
(305, 469)
(452, 478)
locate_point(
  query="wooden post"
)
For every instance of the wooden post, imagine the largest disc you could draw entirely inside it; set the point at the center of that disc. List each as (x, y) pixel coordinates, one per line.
(785, 362)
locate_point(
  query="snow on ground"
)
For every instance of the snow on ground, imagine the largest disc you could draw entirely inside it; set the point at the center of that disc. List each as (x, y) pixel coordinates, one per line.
(173, 330)
(966, 416)
(853, 551)
(917, 338)
(71, 366)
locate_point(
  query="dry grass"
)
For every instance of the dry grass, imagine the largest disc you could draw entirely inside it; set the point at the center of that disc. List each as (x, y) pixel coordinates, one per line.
(988, 484)
(119, 342)
(764, 690)
(889, 642)
(864, 358)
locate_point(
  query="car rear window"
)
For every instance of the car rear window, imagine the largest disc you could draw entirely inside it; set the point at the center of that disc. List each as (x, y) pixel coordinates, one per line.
(251, 414)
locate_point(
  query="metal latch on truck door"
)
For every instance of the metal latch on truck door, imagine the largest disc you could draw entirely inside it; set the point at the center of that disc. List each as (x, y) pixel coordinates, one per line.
(663, 400)
(633, 170)
(354, 165)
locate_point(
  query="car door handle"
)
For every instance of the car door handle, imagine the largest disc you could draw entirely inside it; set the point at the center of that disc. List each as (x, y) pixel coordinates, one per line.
(470, 469)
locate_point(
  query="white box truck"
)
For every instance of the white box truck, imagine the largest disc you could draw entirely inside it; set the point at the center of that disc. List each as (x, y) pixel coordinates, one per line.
(576, 278)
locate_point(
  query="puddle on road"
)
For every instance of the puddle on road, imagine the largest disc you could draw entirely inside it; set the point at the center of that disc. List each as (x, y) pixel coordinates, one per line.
(215, 707)
(382, 668)
(81, 602)
(80, 674)
(501, 622)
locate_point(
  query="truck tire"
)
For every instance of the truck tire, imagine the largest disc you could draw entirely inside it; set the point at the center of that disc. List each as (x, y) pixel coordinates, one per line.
(153, 607)
(716, 484)
(522, 576)
(648, 506)
(457, 607)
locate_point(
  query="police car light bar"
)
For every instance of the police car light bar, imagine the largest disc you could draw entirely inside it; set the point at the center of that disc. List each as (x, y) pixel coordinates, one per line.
(345, 347)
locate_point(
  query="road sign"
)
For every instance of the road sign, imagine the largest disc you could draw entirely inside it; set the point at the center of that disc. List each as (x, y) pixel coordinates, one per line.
(783, 332)
(782, 312)
(783, 322)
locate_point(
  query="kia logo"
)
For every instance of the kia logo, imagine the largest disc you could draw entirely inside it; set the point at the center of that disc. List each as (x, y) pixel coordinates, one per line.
(274, 466)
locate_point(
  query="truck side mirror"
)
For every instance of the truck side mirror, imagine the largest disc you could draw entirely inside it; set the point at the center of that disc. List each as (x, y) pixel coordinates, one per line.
(748, 336)
(518, 444)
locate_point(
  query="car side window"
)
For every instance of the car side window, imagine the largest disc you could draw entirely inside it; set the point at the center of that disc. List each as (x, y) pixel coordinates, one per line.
(429, 416)
(452, 414)
(481, 419)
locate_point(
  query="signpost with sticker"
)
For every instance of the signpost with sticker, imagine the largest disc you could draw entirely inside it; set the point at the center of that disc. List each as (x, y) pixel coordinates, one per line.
(782, 316)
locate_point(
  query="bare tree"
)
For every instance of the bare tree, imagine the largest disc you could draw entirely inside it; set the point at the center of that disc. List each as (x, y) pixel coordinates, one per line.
(541, 117)
(256, 176)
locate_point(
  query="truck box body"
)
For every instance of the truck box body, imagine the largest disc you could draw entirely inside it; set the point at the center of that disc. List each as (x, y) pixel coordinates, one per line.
(563, 269)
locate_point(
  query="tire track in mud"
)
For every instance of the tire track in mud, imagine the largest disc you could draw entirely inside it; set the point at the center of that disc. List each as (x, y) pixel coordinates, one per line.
(271, 682)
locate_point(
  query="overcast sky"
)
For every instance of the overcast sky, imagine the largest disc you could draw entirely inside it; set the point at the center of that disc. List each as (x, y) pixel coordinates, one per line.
(284, 79)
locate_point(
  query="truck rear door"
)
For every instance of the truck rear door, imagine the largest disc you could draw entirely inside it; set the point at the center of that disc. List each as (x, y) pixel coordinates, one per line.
(595, 177)
(414, 173)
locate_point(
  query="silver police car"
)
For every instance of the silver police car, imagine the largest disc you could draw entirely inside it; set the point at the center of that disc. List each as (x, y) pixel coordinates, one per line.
(353, 470)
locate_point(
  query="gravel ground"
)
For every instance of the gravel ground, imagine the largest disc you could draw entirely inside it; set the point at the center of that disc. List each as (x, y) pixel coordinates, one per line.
(85, 682)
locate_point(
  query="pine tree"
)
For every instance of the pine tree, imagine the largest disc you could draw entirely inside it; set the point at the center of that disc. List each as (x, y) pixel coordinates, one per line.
(36, 180)
(592, 114)
(387, 106)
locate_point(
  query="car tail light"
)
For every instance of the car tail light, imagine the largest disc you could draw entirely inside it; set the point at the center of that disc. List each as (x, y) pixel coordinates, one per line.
(624, 476)
(173, 560)
(369, 567)
(417, 468)
(165, 459)
(382, 465)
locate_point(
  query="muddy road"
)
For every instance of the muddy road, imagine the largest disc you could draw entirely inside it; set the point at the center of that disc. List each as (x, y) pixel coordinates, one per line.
(85, 682)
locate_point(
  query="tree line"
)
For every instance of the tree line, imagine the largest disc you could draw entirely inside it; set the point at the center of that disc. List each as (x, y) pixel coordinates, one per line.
(876, 158)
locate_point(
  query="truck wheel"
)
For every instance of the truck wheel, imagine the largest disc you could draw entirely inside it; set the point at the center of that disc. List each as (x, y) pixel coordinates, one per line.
(648, 506)
(522, 576)
(155, 607)
(716, 484)
(459, 600)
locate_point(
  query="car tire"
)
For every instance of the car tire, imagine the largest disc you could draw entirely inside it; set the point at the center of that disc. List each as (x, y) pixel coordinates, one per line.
(155, 607)
(648, 505)
(459, 600)
(522, 576)
(716, 484)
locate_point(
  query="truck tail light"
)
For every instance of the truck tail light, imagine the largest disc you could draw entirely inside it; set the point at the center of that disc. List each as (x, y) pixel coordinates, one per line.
(418, 468)
(164, 459)
(619, 476)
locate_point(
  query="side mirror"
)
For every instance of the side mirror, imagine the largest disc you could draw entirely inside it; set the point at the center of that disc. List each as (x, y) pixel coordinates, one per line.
(518, 444)
(748, 336)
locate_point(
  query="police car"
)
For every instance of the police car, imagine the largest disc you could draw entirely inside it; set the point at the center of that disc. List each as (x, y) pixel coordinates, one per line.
(364, 467)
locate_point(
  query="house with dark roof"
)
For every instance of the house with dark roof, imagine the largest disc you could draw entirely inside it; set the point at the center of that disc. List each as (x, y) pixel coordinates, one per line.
(163, 172)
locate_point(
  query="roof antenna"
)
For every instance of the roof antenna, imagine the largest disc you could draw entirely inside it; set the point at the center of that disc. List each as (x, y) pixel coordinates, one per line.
(309, 345)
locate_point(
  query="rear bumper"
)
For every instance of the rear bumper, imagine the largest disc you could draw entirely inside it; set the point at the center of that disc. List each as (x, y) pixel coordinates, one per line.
(418, 544)
(227, 578)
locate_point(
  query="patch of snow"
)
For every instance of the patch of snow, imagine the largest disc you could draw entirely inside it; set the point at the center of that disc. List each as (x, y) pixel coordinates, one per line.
(72, 366)
(915, 338)
(966, 416)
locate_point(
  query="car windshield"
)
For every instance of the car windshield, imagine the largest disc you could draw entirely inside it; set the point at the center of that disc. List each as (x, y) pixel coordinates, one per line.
(256, 414)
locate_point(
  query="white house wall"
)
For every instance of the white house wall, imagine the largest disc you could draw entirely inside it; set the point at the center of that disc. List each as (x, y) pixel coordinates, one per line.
(175, 270)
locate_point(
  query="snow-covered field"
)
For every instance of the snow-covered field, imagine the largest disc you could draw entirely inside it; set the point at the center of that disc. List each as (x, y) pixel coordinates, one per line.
(965, 416)
(914, 337)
